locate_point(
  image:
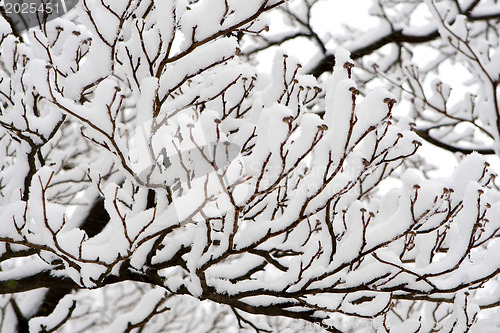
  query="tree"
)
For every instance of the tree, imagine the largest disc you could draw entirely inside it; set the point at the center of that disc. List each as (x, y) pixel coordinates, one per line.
(152, 180)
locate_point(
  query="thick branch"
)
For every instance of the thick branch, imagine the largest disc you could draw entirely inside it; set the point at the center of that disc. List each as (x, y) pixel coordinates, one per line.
(424, 134)
(44, 279)
(396, 36)
(326, 64)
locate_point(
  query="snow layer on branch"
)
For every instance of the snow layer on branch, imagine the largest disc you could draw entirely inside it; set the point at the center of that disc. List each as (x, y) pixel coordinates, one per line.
(62, 311)
(371, 111)
(199, 59)
(149, 87)
(166, 23)
(4, 26)
(375, 33)
(147, 306)
(18, 273)
(252, 188)
(208, 17)
(96, 66)
(176, 241)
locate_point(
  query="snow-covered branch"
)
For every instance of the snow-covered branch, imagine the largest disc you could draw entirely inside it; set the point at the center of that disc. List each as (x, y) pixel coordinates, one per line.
(146, 163)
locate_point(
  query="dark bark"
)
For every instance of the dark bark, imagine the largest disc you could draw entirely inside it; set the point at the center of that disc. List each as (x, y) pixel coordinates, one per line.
(424, 134)
(50, 300)
(96, 220)
(326, 64)
(397, 36)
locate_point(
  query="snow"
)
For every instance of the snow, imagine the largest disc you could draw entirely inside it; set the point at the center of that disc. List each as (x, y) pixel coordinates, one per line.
(149, 87)
(486, 9)
(469, 169)
(165, 23)
(371, 111)
(271, 197)
(407, 326)
(375, 33)
(235, 269)
(147, 305)
(379, 302)
(96, 66)
(176, 241)
(21, 272)
(62, 310)
(70, 240)
(194, 61)
(303, 138)
(336, 117)
(4, 26)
